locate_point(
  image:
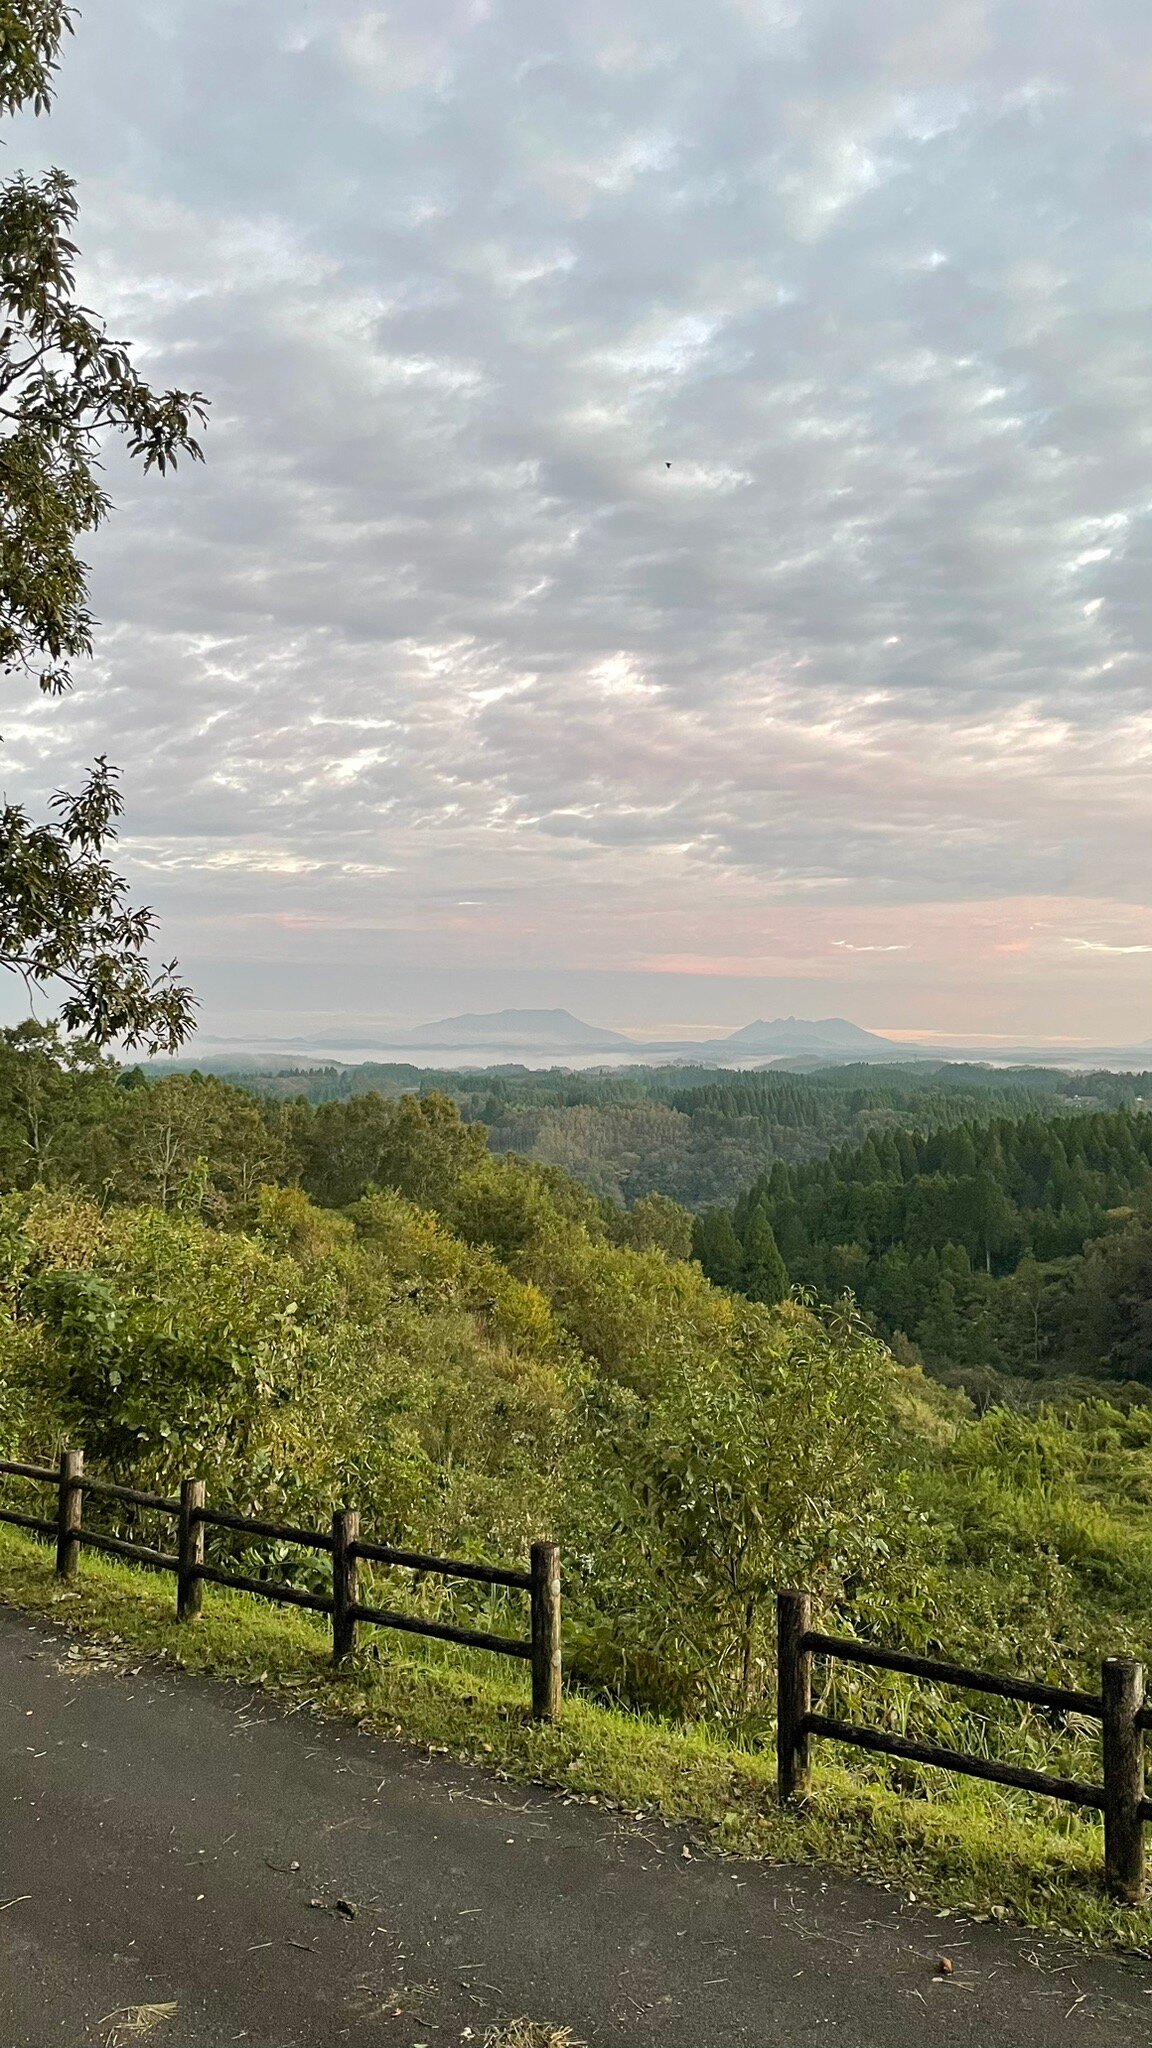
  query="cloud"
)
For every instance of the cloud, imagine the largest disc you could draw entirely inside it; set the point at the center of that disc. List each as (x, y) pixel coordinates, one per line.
(1098, 946)
(440, 645)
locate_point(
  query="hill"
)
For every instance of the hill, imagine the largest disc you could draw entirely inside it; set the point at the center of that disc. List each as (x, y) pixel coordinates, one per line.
(1014, 1251)
(517, 1031)
(799, 1035)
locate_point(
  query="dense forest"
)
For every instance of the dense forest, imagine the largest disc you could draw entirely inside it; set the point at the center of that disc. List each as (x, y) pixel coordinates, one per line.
(1021, 1247)
(699, 1135)
(990, 1223)
(359, 1299)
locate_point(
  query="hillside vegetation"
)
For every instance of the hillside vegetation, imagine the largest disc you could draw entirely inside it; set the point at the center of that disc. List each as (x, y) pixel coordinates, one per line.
(989, 1223)
(360, 1301)
(701, 1136)
(1013, 1254)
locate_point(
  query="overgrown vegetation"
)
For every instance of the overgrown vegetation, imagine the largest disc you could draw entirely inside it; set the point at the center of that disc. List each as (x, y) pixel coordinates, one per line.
(361, 1302)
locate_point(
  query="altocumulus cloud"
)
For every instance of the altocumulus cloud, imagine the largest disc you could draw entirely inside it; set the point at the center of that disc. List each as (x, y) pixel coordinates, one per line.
(440, 649)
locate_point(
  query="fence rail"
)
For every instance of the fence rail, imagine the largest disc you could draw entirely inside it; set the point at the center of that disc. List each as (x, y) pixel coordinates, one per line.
(1029, 1690)
(342, 1543)
(1119, 1707)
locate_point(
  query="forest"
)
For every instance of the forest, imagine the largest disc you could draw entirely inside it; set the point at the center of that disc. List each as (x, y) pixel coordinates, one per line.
(361, 1299)
(989, 1224)
(696, 1134)
(1006, 1255)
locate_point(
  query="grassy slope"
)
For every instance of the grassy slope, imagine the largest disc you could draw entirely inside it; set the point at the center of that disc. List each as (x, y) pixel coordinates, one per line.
(958, 1844)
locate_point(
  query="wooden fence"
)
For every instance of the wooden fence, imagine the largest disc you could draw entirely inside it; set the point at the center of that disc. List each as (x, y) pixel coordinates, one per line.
(1119, 1707)
(343, 1544)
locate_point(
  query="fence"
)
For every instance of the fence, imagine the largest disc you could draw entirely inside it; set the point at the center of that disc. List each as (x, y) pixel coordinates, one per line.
(1119, 1707)
(193, 1516)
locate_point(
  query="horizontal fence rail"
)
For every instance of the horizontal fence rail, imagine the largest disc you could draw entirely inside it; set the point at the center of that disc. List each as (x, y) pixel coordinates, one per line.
(488, 1574)
(342, 1544)
(1028, 1689)
(957, 1760)
(1119, 1707)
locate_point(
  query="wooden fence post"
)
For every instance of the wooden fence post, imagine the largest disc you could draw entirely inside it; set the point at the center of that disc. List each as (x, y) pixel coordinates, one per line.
(793, 1693)
(69, 1513)
(345, 1581)
(547, 1669)
(1122, 1687)
(189, 1550)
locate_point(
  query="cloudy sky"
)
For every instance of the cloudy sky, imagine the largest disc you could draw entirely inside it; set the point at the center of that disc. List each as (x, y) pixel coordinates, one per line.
(439, 688)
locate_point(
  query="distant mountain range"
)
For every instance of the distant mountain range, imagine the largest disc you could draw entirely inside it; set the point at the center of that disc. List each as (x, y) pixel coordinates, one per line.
(559, 1031)
(506, 1036)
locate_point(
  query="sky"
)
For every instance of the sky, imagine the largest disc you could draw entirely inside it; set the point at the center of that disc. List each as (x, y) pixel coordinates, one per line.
(676, 531)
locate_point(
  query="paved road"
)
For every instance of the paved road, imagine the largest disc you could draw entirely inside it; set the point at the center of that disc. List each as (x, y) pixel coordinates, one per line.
(168, 1840)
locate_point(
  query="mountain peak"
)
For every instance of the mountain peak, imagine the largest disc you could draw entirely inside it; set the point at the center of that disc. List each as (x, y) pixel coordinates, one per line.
(802, 1034)
(517, 1030)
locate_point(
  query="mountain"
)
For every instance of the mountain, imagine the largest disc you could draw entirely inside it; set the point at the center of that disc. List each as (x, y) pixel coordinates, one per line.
(794, 1035)
(518, 1031)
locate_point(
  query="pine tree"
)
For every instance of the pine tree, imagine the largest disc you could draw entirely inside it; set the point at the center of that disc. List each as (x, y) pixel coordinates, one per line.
(763, 1274)
(717, 1247)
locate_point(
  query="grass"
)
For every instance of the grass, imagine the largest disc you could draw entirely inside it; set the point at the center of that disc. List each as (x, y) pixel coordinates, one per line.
(951, 1843)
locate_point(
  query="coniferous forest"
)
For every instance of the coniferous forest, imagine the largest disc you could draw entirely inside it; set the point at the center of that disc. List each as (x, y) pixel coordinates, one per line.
(1018, 1249)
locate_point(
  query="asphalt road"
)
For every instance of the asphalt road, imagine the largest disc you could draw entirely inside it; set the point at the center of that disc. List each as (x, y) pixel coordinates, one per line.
(170, 1841)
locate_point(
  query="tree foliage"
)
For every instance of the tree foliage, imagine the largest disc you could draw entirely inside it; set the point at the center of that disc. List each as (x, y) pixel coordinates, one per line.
(65, 386)
(66, 924)
(31, 32)
(463, 1345)
(703, 1137)
(1013, 1248)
